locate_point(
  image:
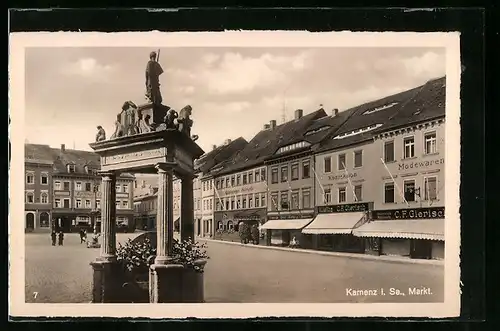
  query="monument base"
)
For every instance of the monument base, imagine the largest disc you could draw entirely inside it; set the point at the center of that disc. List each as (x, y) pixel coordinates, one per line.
(106, 282)
(174, 283)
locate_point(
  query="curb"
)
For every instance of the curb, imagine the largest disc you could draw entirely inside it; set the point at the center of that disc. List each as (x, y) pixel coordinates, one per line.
(336, 254)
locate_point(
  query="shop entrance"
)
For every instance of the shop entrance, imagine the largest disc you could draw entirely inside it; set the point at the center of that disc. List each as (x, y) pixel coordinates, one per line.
(421, 249)
(30, 221)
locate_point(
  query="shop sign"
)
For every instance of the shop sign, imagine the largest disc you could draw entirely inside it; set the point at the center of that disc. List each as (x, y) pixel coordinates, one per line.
(344, 208)
(343, 176)
(419, 164)
(409, 213)
(289, 216)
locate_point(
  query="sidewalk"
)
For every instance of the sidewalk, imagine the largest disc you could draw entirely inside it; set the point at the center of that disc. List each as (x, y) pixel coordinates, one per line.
(395, 259)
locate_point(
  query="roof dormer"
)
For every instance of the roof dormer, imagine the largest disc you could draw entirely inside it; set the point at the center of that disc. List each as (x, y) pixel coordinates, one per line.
(71, 167)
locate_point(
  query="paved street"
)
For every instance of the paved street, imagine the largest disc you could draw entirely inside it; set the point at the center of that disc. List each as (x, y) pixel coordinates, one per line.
(241, 274)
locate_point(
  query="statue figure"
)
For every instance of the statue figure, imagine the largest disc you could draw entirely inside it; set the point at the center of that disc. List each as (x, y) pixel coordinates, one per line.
(184, 123)
(143, 125)
(101, 134)
(153, 72)
(168, 121)
(128, 114)
(119, 130)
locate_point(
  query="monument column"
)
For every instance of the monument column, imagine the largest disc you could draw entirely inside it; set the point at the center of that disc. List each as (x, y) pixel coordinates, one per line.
(187, 208)
(108, 217)
(165, 213)
(107, 280)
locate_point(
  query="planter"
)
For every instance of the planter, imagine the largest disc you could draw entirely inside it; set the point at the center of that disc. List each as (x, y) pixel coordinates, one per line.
(135, 288)
(193, 286)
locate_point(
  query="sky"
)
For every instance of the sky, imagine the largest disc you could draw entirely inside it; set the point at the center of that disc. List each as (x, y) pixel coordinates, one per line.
(233, 91)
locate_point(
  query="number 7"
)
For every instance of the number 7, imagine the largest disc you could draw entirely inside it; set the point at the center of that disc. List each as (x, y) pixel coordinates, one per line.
(35, 294)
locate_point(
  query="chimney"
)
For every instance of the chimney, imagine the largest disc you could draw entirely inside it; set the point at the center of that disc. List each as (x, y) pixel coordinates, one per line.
(335, 112)
(298, 114)
(63, 148)
(272, 124)
(266, 126)
(214, 147)
(227, 141)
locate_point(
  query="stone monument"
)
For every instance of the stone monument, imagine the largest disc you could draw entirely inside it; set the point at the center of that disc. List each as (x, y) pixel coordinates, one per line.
(163, 147)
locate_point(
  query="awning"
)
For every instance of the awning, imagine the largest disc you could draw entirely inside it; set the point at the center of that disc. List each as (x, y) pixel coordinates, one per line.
(282, 224)
(334, 223)
(430, 229)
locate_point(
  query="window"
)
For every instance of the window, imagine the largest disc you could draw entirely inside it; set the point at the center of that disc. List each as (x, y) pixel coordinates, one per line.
(263, 200)
(98, 204)
(389, 151)
(358, 192)
(257, 176)
(66, 186)
(66, 203)
(250, 178)
(306, 198)
(230, 225)
(389, 192)
(125, 204)
(306, 169)
(341, 161)
(327, 196)
(327, 164)
(71, 168)
(217, 205)
(228, 182)
(30, 178)
(210, 185)
(250, 202)
(125, 188)
(295, 171)
(88, 187)
(342, 195)
(430, 143)
(284, 174)
(409, 147)
(409, 190)
(117, 187)
(44, 198)
(295, 200)
(430, 186)
(238, 180)
(233, 181)
(57, 203)
(245, 179)
(30, 197)
(78, 203)
(263, 174)
(232, 204)
(57, 185)
(227, 205)
(238, 202)
(87, 204)
(244, 202)
(78, 186)
(358, 159)
(44, 179)
(274, 201)
(211, 204)
(274, 175)
(257, 201)
(284, 200)
(118, 205)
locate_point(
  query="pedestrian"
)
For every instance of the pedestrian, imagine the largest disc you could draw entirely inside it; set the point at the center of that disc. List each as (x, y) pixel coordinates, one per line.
(53, 237)
(61, 238)
(82, 236)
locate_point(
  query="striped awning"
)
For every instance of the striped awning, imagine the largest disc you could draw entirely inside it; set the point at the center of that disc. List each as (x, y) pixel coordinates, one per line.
(334, 223)
(283, 224)
(430, 229)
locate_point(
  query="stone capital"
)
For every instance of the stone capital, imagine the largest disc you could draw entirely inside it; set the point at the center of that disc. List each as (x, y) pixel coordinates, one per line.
(165, 166)
(107, 175)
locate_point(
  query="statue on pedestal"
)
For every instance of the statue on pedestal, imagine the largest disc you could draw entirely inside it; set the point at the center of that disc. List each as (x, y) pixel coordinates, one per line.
(128, 115)
(119, 129)
(101, 134)
(153, 72)
(184, 122)
(143, 124)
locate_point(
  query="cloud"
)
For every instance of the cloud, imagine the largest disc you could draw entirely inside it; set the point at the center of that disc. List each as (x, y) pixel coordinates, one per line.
(88, 67)
(429, 64)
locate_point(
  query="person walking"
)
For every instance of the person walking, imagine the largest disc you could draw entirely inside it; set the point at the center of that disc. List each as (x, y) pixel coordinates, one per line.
(53, 237)
(61, 238)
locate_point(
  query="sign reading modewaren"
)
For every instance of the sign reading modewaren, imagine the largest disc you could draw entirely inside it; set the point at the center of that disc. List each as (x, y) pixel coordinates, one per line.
(419, 164)
(345, 208)
(409, 213)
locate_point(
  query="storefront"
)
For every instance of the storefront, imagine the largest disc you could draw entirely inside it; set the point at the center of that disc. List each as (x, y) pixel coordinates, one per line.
(331, 229)
(74, 222)
(416, 233)
(281, 230)
(229, 220)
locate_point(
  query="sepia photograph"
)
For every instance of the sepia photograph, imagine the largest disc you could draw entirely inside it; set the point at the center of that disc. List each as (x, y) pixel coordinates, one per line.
(234, 174)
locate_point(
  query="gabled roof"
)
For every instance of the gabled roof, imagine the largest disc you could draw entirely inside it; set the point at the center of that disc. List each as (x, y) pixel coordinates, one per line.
(266, 143)
(366, 120)
(219, 154)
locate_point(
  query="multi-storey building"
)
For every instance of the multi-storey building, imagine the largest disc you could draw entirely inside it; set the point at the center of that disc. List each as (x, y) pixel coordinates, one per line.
(38, 188)
(409, 179)
(145, 202)
(292, 177)
(73, 189)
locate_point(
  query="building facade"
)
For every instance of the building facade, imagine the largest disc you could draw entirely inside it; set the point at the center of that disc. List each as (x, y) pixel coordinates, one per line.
(207, 204)
(38, 195)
